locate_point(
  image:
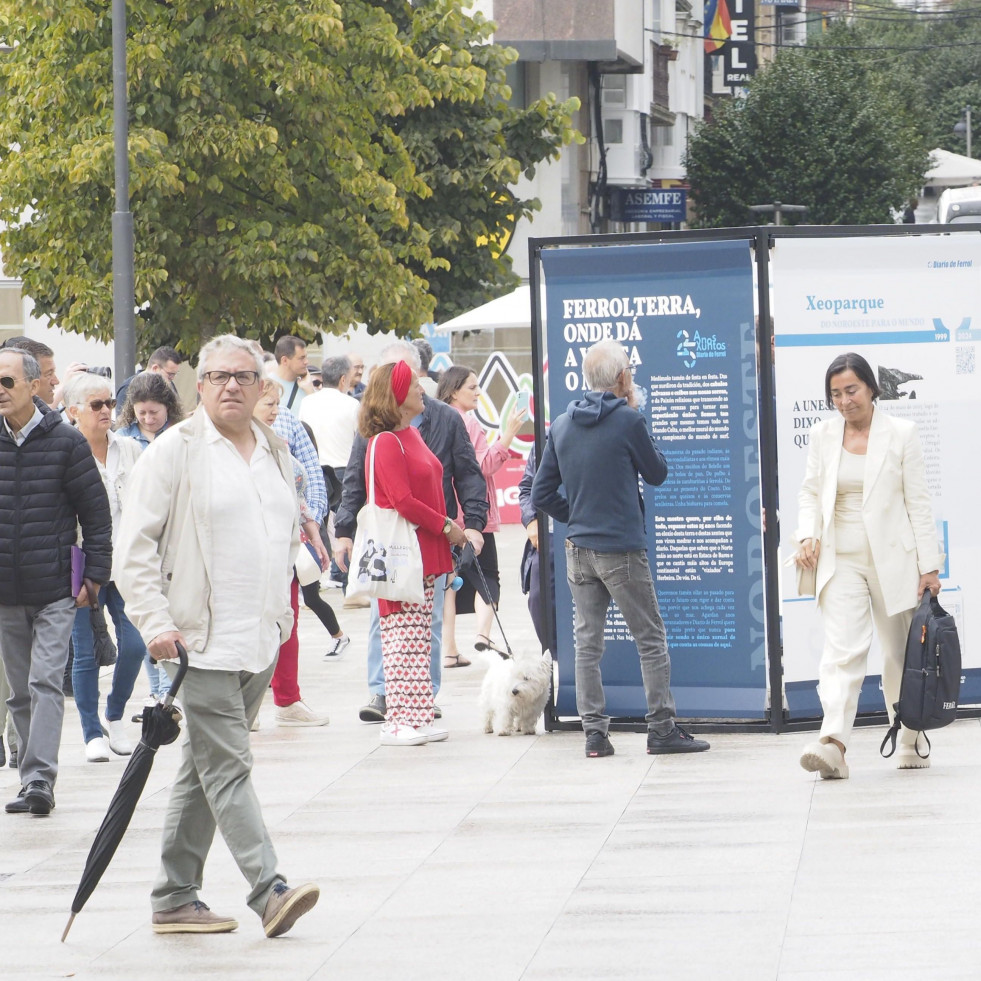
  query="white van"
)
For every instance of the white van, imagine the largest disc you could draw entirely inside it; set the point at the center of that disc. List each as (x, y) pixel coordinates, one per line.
(959, 204)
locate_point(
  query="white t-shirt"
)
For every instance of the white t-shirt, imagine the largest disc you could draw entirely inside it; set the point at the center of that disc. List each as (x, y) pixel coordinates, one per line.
(251, 512)
(333, 417)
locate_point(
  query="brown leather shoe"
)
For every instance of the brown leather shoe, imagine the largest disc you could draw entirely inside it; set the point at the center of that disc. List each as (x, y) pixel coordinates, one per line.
(193, 917)
(285, 906)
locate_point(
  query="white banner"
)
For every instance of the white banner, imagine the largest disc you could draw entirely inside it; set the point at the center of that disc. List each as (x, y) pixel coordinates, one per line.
(912, 308)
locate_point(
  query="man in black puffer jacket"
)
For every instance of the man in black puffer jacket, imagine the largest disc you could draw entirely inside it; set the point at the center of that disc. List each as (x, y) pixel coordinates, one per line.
(49, 484)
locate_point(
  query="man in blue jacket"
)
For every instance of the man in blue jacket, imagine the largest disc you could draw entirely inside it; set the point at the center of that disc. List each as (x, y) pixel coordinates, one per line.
(606, 547)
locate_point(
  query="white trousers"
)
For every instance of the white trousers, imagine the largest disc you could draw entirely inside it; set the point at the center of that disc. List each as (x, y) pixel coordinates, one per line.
(850, 603)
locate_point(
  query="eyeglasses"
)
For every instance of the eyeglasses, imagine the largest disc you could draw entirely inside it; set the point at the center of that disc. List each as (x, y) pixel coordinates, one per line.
(317, 384)
(244, 378)
(8, 382)
(97, 405)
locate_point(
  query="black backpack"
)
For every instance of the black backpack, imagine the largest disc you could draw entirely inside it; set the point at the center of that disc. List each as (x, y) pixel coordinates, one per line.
(931, 674)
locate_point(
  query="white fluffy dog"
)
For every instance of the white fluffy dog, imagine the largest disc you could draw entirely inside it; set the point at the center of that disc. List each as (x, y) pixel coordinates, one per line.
(514, 693)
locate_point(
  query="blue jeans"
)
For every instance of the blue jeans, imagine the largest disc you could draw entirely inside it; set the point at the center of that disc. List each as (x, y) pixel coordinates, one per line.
(85, 672)
(155, 674)
(376, 669)
(625, 577)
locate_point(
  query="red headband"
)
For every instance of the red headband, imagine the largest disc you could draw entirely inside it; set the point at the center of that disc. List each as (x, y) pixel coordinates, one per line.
(401, 379)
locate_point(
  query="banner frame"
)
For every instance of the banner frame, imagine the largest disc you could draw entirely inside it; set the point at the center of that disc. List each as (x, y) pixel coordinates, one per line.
(759, 238)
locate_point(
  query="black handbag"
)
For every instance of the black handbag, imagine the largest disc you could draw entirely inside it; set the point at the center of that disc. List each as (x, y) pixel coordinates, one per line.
(931, 674)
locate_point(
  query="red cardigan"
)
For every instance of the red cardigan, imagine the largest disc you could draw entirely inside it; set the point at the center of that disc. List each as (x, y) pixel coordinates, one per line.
(411, 482)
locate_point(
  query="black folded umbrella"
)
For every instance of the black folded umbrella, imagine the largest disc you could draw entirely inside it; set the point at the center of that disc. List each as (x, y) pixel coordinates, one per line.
(104, 649)
(160, 728)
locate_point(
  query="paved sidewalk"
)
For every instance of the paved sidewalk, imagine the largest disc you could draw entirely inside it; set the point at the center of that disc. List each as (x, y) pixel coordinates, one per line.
(517, 858)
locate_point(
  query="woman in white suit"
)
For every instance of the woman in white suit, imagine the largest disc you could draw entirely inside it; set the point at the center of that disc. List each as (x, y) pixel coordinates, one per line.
(866, 527)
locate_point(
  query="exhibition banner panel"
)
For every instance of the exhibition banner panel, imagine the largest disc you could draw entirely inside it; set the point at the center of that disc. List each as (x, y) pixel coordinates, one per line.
(912, 308)
(684, 314)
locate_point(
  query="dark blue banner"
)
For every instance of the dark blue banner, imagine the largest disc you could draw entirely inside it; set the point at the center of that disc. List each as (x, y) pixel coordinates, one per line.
(684, 314)
(664, 204)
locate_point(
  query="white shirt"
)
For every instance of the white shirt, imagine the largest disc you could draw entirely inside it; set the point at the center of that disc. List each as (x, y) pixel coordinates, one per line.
(251, 512)
(110, 478)
(27, 428)
(333, 417)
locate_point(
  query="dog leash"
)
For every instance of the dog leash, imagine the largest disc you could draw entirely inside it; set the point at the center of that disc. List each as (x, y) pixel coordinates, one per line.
(483, 581)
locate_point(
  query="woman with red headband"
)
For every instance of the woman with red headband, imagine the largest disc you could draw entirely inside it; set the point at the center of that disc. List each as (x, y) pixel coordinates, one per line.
(408, 479)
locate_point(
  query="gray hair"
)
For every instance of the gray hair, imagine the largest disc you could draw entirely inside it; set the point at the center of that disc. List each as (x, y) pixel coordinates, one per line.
(334, 369)
(80, 386)
(401, 351)
(603, 364)
(32, 370)
(425, 350)
(227, 342)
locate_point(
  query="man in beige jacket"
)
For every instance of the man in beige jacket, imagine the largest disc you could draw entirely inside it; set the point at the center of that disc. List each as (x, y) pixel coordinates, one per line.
(206, 560)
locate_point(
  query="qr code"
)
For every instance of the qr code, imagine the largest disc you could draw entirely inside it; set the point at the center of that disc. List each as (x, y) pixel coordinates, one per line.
(965, 359)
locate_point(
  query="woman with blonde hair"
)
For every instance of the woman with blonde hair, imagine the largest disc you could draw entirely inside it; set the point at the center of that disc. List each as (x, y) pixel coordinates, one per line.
(89, 403)
(409, 479)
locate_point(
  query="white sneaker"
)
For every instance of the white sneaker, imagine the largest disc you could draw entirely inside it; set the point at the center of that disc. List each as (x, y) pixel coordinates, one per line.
(119, 742)
(395, 734)
(299, 714)
(434, 734)
(97, 750)
(826, 759)
(339, 646)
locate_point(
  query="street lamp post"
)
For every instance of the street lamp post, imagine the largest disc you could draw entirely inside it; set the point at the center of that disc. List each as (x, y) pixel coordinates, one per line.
(963, 128)
(777, 209)
(123, 285)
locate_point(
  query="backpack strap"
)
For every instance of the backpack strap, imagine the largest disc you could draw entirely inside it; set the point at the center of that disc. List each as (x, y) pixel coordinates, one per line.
(891, 740)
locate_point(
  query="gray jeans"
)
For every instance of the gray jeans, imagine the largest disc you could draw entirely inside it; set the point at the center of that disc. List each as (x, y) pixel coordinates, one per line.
(34, 646)
(625, 577)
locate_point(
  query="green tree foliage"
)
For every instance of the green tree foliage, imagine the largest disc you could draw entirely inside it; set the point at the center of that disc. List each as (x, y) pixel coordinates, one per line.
(287, 164)
(817, 128)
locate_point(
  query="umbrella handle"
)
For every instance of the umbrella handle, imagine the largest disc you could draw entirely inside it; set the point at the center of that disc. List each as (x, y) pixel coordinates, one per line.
(179, 677)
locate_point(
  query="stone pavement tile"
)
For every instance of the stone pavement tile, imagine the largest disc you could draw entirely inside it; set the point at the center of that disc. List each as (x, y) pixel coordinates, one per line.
(715, 927)
(499, 858)
(907, 950)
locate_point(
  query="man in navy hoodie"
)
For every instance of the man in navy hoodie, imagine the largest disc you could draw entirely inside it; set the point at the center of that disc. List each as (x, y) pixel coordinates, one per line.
(588, 480)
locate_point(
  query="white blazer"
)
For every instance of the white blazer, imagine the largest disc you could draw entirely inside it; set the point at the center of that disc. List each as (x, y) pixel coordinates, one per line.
(896, 507)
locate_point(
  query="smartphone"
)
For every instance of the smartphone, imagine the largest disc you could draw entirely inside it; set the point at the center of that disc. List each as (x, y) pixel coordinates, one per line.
(523, 401)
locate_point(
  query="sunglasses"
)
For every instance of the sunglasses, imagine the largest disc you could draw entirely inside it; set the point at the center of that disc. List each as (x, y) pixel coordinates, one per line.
(8, 382)
(318, 384)
(97, 405)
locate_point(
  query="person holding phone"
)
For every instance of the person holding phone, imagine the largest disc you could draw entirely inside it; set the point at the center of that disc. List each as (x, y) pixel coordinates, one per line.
(458, 387)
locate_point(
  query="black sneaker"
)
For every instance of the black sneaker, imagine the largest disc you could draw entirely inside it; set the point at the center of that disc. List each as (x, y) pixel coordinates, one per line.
(676, 741)
(598, 744)
(374, 711)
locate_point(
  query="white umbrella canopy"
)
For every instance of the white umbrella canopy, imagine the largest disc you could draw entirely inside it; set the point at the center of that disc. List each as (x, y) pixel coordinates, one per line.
(511, 310)
(951, 169)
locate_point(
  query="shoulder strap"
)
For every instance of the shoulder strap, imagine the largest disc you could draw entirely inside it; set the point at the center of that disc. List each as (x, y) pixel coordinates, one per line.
(371, 463)
(296, 388)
